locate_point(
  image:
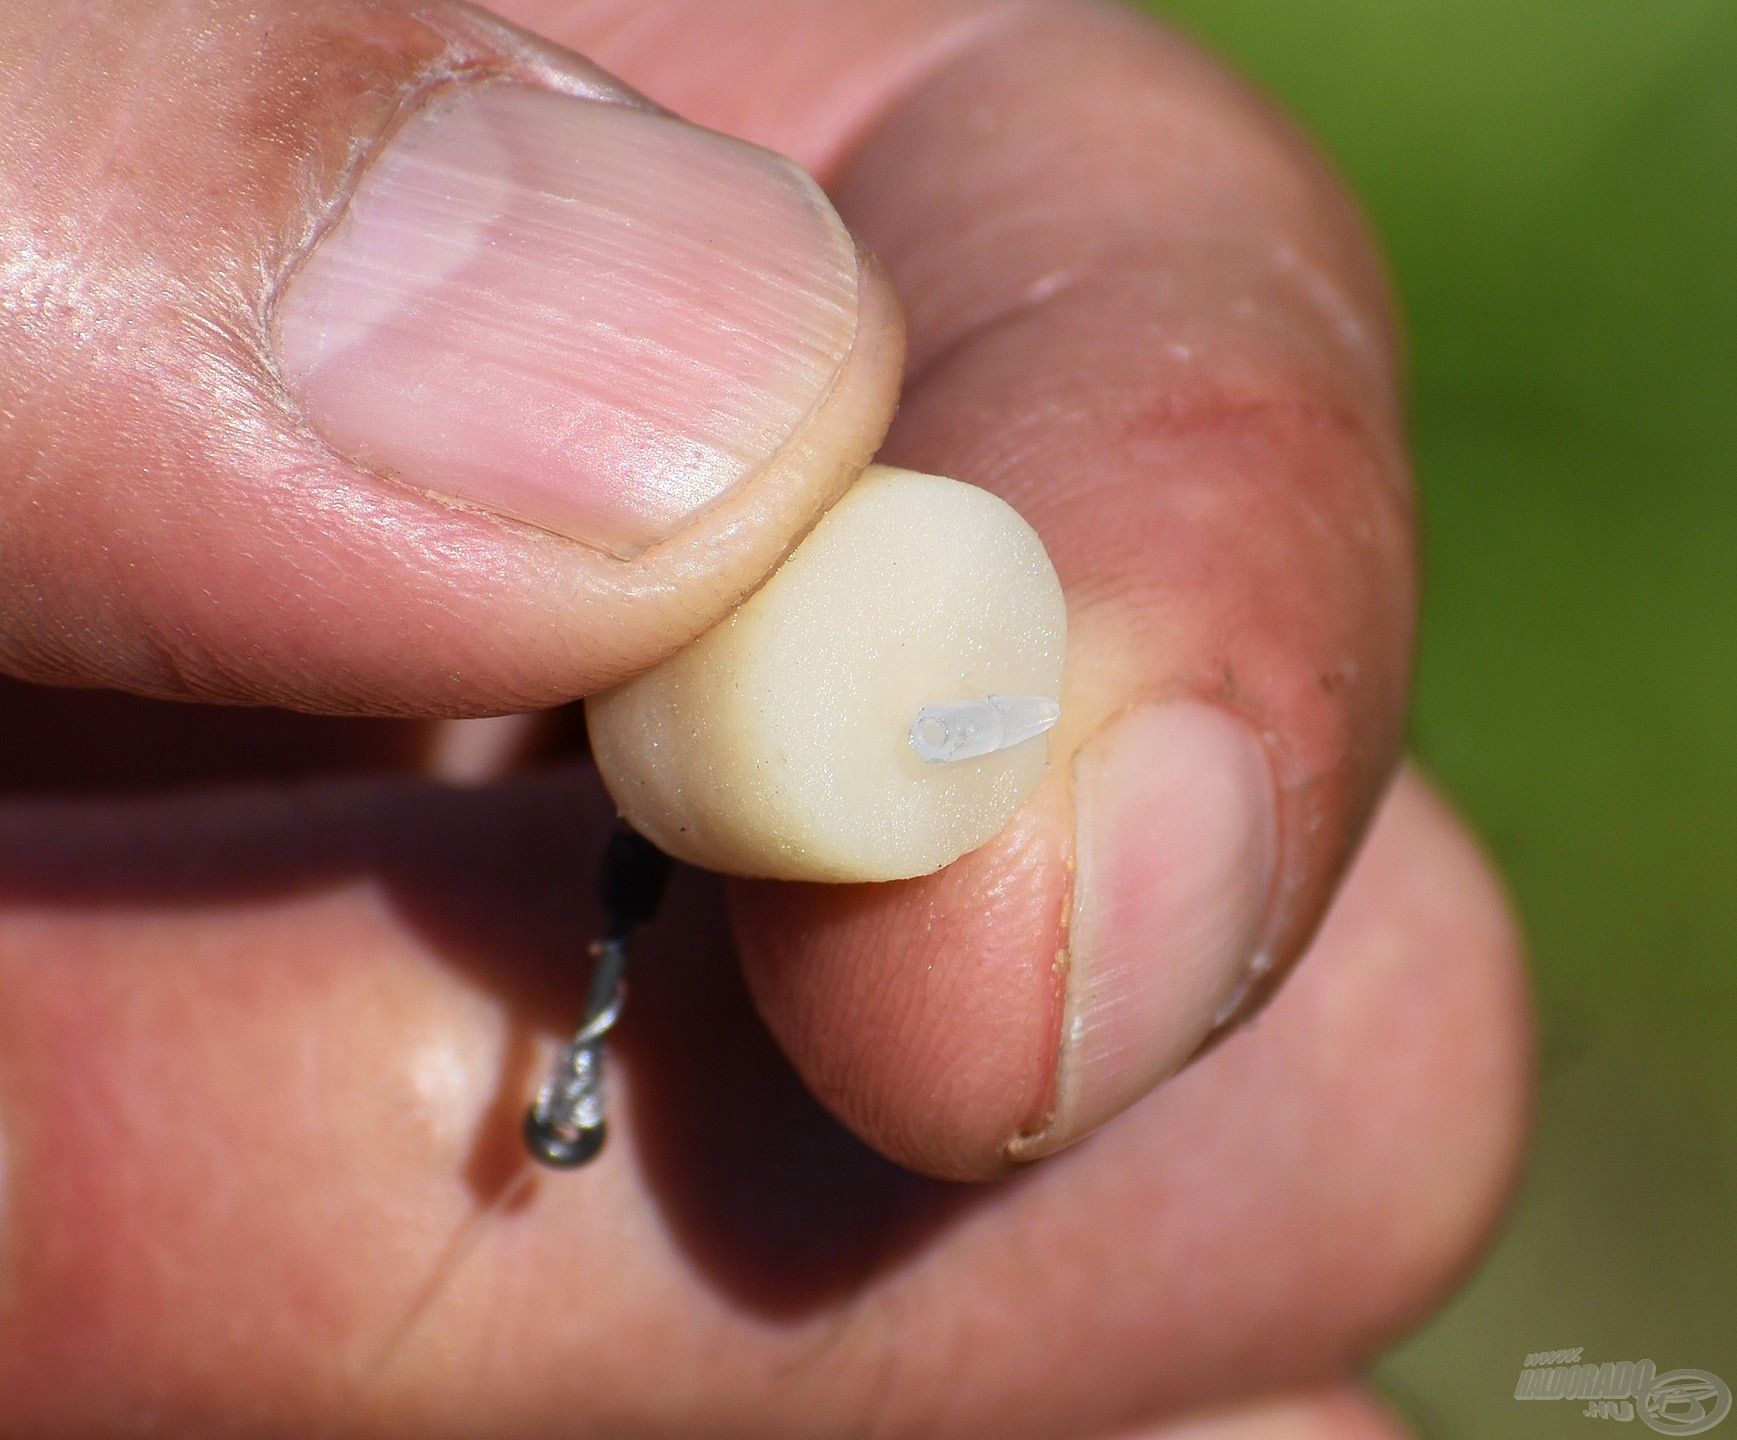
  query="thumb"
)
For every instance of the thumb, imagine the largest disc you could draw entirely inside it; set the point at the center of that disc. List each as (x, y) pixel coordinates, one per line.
(378, 357)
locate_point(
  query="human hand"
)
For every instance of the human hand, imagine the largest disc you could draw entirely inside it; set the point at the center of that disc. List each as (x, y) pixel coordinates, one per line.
(263, 1050)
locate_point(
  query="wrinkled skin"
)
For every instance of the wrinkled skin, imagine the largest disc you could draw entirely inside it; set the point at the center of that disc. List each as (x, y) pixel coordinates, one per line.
(263, 1046)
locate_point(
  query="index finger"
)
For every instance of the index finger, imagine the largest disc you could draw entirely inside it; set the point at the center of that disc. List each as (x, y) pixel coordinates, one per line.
(1142, 310)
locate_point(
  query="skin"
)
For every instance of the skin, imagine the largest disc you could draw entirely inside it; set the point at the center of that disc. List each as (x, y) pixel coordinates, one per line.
(262, 1047)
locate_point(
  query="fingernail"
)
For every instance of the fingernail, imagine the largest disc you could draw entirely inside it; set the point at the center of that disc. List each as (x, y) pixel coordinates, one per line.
(1175, 846)
(584, 315)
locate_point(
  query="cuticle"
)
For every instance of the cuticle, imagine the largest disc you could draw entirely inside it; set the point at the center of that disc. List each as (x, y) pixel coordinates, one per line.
(412, 100)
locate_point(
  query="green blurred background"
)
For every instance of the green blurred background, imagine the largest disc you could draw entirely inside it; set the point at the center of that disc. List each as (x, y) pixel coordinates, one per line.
(1556, 181)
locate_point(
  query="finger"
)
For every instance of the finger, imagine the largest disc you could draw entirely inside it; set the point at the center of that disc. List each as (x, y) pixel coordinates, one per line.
(378, 357)
(1144, 312)
(1342, 1414)
(65, 742)
(262, 1058)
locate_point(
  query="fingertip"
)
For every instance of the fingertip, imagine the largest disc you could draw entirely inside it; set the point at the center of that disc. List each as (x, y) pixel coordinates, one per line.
(1348, 1413)
(924, 1012)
